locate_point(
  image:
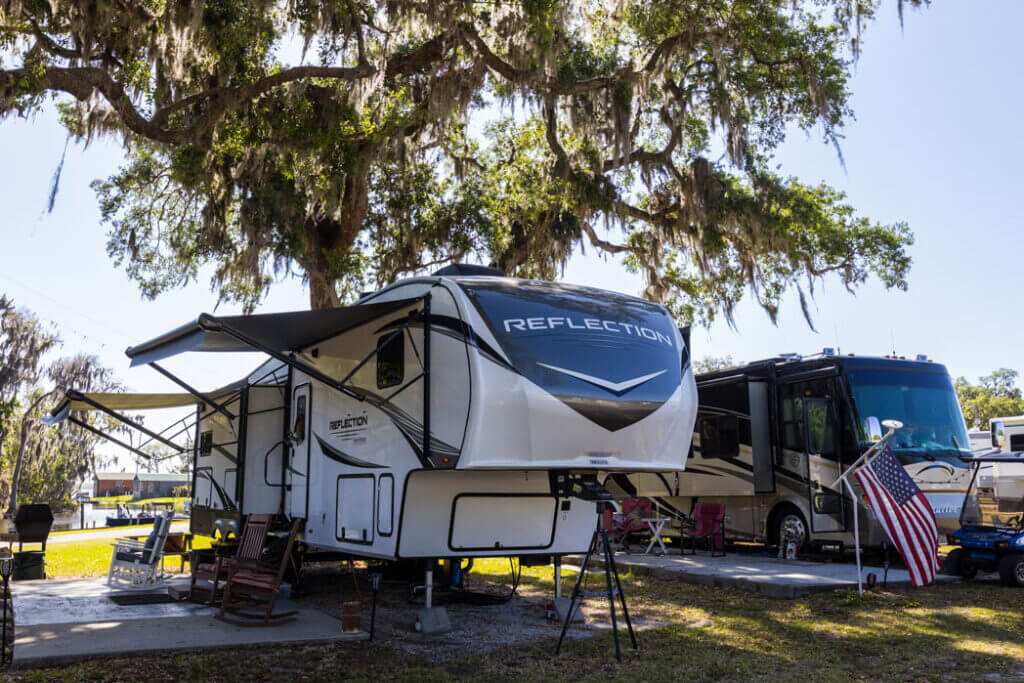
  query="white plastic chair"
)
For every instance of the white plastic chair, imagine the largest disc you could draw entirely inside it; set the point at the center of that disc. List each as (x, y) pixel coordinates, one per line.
(138, 565)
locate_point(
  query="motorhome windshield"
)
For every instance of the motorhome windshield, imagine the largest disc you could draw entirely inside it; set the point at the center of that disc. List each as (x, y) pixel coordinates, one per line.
(613, 358)
(926, 404)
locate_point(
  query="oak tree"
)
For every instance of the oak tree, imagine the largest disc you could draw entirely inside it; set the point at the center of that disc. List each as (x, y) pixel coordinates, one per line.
(353, 141)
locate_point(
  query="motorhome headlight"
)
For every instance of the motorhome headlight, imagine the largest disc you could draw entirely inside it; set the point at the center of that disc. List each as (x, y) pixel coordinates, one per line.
(1018, 542)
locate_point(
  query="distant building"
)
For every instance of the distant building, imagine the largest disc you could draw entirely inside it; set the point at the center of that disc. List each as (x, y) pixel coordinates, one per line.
(113, 484)
(151, 485)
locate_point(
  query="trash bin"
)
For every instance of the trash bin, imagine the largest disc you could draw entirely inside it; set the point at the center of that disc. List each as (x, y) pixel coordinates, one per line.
(29, 565)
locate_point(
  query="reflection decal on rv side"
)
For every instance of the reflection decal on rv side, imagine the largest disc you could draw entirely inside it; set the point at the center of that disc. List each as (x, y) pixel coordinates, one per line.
(344, 458)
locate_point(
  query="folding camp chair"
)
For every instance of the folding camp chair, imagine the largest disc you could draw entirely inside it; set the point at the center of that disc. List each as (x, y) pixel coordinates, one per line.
(709, 525)
(250, 546)
(138, 565)
(630, 523)
(252, 588)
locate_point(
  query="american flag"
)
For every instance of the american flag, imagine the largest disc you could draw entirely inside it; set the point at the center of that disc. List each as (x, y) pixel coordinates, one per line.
(904, 513)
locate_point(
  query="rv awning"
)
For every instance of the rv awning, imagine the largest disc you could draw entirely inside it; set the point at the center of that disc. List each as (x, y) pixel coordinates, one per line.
(269, 332)
(121, 401)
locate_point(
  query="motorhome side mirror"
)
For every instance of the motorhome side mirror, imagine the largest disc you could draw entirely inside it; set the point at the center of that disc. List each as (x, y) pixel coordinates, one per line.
(998, 433)
(873, 429)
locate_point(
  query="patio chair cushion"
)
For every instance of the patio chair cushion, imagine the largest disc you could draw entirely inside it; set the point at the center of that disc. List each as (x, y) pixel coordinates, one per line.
(206, 567)
(248, 577)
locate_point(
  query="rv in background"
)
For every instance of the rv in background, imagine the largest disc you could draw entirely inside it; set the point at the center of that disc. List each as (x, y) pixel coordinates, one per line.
(1006, 433)
(773, 436)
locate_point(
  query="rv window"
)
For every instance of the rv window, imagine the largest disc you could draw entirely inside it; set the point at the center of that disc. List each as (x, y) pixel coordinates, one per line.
(820, 430)
(205, 444)
(299, 430)
(390, 360)
(792, 409)
(719, 436)
(1017, 442)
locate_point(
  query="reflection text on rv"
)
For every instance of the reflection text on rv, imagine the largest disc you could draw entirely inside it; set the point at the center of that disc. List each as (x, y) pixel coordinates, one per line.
(554, 322)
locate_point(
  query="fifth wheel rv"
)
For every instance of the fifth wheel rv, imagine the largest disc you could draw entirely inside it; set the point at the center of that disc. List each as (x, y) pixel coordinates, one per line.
(441, 417)
(773, 437)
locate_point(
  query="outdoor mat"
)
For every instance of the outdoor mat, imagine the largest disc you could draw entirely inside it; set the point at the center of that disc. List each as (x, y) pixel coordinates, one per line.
(126, 599)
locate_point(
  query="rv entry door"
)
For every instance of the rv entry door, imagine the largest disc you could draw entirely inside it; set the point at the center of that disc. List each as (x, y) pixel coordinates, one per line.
(826, 499)
(298, 461)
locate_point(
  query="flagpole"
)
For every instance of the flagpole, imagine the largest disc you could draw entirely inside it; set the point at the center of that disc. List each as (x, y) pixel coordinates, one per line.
(892, 425)
(856, 537)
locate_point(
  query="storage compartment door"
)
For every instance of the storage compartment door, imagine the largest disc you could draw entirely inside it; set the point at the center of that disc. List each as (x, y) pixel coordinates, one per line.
(513, 522)
(355, 506)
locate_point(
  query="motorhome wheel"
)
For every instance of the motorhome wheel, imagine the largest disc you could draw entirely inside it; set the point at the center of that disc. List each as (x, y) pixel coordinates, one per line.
(1011, 569)
(791, 528)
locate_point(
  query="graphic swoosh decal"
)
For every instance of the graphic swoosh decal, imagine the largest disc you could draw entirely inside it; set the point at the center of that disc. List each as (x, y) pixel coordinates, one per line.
(345, 459)
(615, 387)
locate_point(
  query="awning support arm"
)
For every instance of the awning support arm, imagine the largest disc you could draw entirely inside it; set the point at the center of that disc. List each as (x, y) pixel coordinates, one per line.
(187, 387)
(292, 360)
(365, 360)
(102, 434)
(128, 421)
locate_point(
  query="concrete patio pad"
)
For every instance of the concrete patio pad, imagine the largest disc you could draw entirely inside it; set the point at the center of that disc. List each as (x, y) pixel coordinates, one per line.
(61, 621)
(762, 574)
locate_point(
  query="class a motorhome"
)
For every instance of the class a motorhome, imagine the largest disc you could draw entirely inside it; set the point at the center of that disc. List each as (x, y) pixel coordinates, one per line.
(440, 417)
(773, 437)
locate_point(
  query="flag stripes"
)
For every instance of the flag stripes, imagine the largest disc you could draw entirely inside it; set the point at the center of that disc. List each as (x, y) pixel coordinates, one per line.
(904, 513)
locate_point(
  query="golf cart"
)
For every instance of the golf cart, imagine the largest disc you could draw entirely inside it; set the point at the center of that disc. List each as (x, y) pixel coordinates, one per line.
(991, 533)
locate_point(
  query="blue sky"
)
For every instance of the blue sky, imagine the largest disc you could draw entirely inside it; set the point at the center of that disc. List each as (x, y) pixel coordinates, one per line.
(934, 143)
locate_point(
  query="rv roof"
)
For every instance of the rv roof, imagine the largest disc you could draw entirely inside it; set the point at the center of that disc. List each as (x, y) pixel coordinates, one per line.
(1012, 421)
(512, 281)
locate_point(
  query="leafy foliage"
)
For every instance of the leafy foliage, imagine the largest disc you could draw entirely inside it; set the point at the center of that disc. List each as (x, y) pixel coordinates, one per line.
(996, 395)
(40, 463)
(402, 134)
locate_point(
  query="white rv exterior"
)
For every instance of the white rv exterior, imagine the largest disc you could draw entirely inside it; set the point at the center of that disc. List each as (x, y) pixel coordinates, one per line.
(435, 422)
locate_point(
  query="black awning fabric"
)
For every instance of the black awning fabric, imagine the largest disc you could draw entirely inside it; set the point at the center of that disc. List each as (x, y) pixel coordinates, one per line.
(275, 332)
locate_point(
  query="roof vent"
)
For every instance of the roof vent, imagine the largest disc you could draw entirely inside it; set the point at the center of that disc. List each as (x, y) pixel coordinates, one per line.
(468, 269)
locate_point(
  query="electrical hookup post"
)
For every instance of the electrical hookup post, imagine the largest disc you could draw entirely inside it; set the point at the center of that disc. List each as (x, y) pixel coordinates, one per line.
(862, 461)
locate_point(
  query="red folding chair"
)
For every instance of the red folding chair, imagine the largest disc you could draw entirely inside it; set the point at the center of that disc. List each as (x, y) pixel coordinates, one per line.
(709, 525)
(622, 526)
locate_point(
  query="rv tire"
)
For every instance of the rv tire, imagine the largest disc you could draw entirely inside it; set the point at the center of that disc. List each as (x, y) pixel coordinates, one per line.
(1011, 569)
(789, 515)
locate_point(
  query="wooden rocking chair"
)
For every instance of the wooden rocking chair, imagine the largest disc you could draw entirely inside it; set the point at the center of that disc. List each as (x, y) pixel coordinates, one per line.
(250, 547)
(252, 588)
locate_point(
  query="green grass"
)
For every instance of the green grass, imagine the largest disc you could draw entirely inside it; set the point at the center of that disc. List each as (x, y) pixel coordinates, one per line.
(83, 559)
(960, 632)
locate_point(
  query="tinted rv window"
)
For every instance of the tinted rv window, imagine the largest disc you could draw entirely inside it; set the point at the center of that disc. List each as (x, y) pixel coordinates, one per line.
(610, 357)
(205, 444)
(390, 360)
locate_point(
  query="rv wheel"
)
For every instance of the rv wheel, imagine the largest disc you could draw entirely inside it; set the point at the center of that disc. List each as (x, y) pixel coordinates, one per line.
(789, 523)
(1011, 569)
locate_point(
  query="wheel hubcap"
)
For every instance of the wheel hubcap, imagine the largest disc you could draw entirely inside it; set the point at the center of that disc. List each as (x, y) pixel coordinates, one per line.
(1020, 573)
(792, 529)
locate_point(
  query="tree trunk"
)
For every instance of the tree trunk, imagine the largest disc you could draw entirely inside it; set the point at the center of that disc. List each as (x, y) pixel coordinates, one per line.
(328, 239)
(26, 424)
(12, 506)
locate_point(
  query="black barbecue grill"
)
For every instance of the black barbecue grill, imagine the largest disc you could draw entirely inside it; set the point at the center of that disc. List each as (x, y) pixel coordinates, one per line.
(33, 522)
